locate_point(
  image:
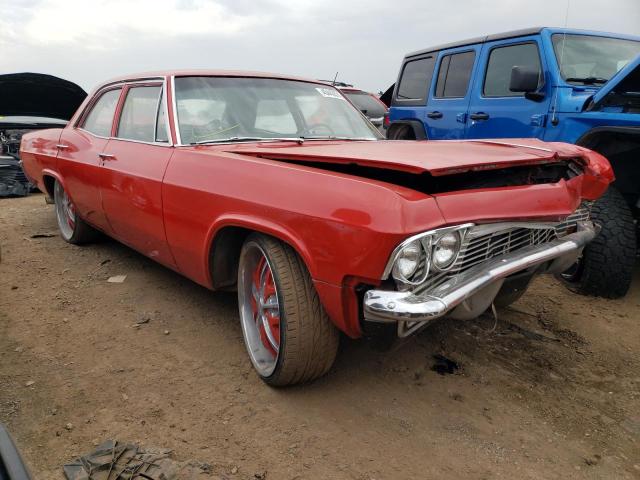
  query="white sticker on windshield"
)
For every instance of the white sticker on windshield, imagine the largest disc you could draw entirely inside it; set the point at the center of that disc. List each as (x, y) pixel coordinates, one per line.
(329, 93)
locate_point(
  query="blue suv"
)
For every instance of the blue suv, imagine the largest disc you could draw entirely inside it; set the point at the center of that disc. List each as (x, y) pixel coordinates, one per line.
(554, 84)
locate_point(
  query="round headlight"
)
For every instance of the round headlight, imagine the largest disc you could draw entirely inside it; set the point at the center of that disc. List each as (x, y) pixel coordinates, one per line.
(445, 250)
(407, 261)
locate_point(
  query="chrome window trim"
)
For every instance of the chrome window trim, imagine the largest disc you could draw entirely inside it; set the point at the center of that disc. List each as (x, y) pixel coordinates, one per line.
(121, 85)
(174, 104)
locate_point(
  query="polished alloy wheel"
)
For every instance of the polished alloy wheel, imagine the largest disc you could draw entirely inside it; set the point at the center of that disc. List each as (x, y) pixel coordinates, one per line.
(65, 212)
(259, 309)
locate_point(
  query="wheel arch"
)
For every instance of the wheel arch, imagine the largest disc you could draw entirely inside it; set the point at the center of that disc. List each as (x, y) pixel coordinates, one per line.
(415, 125)
(49, 178)
(225, 241)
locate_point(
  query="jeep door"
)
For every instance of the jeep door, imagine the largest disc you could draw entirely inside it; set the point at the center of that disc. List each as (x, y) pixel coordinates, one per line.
(133, 166)
(450, 93)
(495, 111)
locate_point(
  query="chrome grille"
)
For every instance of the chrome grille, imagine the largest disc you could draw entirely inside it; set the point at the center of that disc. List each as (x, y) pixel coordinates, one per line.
(484, 242)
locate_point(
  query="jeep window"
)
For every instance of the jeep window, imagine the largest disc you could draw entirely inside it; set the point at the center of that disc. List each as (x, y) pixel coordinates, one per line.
(219, 109)
(591, 60)
(139, 114)
(100, 118)
(416, 80)
(454, 74)
(501, 61)
(366, 103)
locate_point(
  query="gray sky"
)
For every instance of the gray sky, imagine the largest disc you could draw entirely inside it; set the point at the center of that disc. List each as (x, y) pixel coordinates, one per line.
(88, 41)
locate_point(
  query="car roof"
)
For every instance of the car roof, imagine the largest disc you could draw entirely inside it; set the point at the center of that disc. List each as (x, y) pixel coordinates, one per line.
(512, 34)
(202, 73)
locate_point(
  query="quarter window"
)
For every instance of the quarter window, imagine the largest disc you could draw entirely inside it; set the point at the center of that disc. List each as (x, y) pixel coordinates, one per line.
(454, 74)
(416, 79)
(501, 61)
(139, 113)
(100, 118)
(161, 123)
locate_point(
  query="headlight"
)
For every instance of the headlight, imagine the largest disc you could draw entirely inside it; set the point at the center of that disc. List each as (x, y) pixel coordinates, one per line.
(445, 250)
(407, 261)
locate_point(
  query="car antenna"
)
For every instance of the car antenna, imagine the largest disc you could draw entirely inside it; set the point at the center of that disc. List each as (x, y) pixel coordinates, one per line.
(334, 80)
(554, 114)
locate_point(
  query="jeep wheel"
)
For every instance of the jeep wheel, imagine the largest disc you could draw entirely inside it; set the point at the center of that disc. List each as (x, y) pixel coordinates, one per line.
(72, 228)
(605, 268)
(288, 335)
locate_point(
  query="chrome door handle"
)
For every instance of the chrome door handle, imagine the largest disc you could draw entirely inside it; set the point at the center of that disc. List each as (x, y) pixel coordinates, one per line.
(106, 156)
(61, 146)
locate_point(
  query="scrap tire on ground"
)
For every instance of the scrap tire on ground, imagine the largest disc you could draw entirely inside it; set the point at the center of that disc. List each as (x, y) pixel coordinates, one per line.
(72, 228)
(606, 266)
(308, 341)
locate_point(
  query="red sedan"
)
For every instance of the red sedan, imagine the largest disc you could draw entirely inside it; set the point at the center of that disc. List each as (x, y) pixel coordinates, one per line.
(279, 188)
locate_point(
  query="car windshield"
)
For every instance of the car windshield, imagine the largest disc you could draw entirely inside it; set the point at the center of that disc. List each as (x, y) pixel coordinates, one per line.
(219, 109)
(591, 60)
(366, 103)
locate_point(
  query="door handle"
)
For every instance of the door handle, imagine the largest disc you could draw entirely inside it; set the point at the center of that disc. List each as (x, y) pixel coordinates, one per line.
(62, 146)
(435, 115)
(106, 156)
(479, 116)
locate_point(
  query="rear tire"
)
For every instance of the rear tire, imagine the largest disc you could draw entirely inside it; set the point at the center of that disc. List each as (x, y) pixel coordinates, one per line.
(606, 266)
(302, 344)
(72, 228)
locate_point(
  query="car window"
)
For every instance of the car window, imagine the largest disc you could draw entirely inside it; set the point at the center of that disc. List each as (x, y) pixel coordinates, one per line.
(454, 74)
(275, 116)
(366, 103)
(100, 117)
(416, 79)
(501, 61)
(139, 113)
(161, 122)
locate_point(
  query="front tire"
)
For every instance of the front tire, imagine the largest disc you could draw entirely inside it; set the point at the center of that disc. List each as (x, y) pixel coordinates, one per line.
(72, 228)
(606, 266)
(288, 335)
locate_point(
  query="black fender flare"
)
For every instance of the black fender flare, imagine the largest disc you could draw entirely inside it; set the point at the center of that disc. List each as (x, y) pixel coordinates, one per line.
(416, 125)
(587, 138)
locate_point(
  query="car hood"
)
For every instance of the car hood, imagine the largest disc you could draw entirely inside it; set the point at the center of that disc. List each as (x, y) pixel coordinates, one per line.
(625, 81)
(436, 157)
(39, 95)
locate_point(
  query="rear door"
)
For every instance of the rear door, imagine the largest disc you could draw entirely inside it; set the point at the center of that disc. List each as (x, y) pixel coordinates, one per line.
(78, 156)
(497, 112)
(446, 112)
(410, 96)
(133, 165)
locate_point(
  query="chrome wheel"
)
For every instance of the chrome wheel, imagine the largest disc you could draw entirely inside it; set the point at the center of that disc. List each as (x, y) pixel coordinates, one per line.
(65, 212)
(259, 308)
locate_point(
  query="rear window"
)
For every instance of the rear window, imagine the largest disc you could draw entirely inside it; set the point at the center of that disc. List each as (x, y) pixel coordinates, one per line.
(415, 81)
(454, 74)
(100, 117)
(366, 103)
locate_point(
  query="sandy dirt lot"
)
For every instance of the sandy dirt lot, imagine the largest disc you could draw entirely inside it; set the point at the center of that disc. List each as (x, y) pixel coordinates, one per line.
(552, 392)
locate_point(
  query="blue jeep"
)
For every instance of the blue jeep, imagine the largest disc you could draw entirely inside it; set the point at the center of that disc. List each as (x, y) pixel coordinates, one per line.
(554, 84)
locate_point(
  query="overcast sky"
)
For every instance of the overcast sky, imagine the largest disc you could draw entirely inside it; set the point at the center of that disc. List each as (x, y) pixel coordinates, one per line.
(88, 41)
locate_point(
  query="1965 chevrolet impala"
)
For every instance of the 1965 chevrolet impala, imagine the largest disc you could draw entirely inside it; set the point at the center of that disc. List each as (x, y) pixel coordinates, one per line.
(278, 187)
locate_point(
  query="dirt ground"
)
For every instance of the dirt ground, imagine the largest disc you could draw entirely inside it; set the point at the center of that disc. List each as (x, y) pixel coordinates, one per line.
(552, 391)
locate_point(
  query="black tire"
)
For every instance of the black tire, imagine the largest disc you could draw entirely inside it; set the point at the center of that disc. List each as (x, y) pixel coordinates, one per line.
(78, 232)
(403, 132)
(308, 339)
(606, 266)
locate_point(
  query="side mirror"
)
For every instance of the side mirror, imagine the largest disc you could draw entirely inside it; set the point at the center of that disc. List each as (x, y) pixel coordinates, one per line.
(524, 79)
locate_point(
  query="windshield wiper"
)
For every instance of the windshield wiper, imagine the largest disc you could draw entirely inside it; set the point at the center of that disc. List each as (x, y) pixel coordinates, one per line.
(588, 80)
(250, 139)
(334, 137)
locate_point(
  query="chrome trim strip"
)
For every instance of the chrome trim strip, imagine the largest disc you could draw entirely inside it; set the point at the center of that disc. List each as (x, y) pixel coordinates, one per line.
(395, 306)
(174, 105)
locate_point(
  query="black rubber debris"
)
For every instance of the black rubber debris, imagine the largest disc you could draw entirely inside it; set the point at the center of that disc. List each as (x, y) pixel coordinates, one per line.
(444, 365)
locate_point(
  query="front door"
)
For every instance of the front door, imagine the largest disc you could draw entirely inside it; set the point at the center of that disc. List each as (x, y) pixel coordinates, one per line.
(133, 165)
(497, 112)
(446, 112)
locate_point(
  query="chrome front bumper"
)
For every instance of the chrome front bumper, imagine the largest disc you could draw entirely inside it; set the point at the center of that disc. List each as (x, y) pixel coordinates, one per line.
(394, 306)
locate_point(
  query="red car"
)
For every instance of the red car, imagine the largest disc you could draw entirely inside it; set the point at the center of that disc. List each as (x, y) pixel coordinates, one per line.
(279, 188)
